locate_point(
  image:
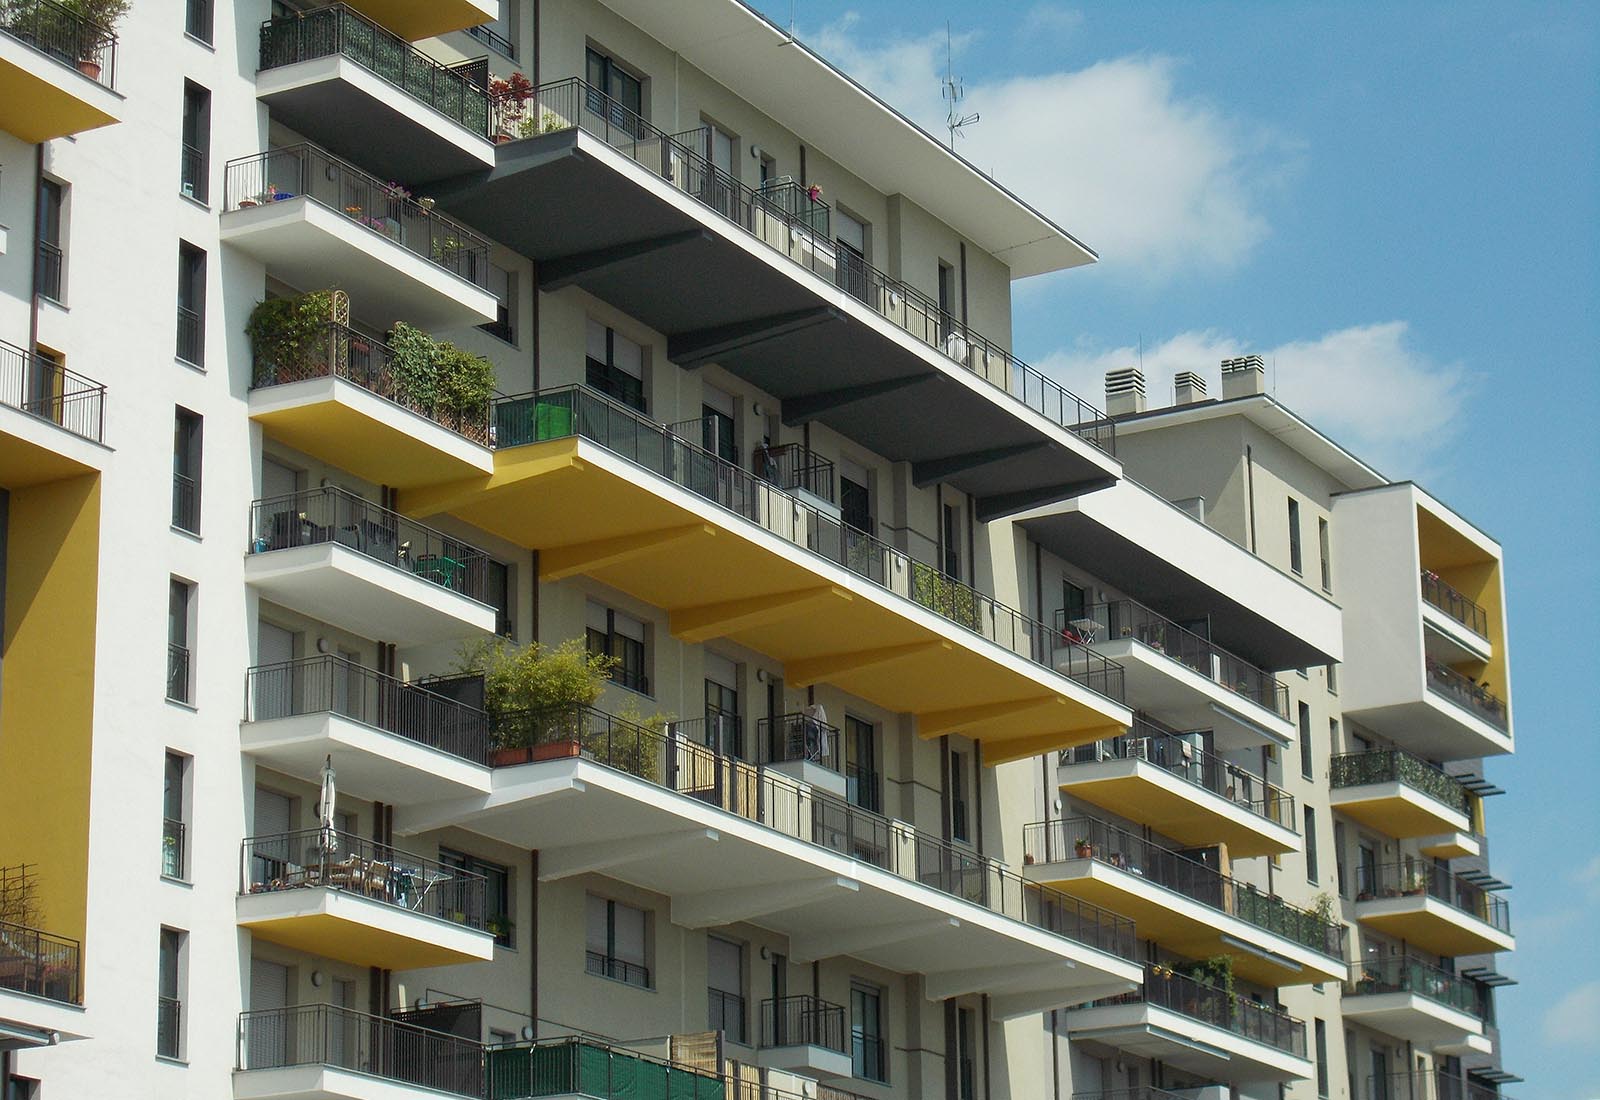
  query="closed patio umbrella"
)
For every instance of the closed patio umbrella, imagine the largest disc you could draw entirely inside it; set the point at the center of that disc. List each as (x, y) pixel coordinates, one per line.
(328, 836)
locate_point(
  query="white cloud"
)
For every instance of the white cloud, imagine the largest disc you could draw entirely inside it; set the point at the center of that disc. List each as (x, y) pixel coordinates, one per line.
(1574, 1020)
(1366, 386)
(1051, 19)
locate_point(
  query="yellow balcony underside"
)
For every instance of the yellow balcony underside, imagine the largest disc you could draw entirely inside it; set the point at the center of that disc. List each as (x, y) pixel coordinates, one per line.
(1188, 814)
(1395, 810)
(335, 925)
(588, 512)
(414, 19)
(42, 99)
(37, 453)
(1436, 928)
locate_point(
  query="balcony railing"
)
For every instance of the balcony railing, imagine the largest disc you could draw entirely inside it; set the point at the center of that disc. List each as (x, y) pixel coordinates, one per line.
(178, 673)
(169, 1027)
(60, 33)
(49, 263)
(194, 178)
(1143, 1092)
(795, 466)
(191, 337)
(795, 225)
(618, 970)
(340, 31)
(329, 684)
(185, 503)
(43, 388)
(1087, 838)
(1177, 992)
(333, 860)
(1404, 974)
(791, 738)
(325, 1035)
(382, 208)
(725, 1012)
(769, 798)
(40, 964)
(173, 844)
(1417, 879)
(492, 38)
(1454, 604)
(314, 517)
(1464, 692)
(803, 1020)
(577, 411)
(591, 1067)
(1423, 1085)
(1109, 622)
(1174, 752)
(1361, 769)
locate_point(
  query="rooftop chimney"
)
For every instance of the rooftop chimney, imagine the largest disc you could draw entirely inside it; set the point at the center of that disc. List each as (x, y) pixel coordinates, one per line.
(1243, 376)
(1189, 387)
(1124, 391)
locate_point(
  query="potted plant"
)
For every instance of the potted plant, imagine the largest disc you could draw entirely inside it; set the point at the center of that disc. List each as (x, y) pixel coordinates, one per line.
(288, 335)
(510, 99)
(102, 17)
(535, 695)
(1083, 847)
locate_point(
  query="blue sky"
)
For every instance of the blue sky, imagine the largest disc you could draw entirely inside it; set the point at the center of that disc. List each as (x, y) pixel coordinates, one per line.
(1400, 206)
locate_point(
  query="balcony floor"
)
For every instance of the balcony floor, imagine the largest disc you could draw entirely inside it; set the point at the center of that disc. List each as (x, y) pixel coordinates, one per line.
(1414, 1018)
(1433, 926)
(1396, 810)
(1150, 1031)
(34, 451)
(807, 1059)
(337, 924)
(322, 1083)
(42, 98)
(27, 1021)
(1432, 727)
(372, 763)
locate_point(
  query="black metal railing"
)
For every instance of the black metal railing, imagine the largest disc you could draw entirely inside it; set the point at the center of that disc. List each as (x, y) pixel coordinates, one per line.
(178, 673)
(794, 223)
(1110, 622)
(194, 178)
(757, 793)
(44, 388)
(789, 738)
(1088, 838)
(578, 411)
(794, 466)
(1405, 974)
(619, 970)
(173, 847)
(329, 684)
(492, 38)
(584, 1066)
(330, 514)
(1440, 1084)
(325, 1035)
(40, 964)
(1177, 992)
(339, 30)
(304, 170)
(1359, 769)
(1454, 604)
(803, 1020)
(1174, 752)
(64, 35)
(185, 503)
(1143, 1092)
(169, 1027)
(191, 336)
(1465, 692)
(49, 263)
(1415, 878)
(725, 1012)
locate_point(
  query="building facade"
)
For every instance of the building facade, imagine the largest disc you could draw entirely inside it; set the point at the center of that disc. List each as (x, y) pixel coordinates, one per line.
(951, 736)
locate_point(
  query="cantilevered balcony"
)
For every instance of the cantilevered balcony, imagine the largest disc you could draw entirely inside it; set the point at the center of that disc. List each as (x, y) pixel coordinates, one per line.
(727, 841)
(1182, 678)
(341, 896)
(751, 280)
(393, 740)
(1465, 693)
(1199, 1028)
(322, 1052)
(583, 1066)
(804, 1034)
(601, 490)
(41, 992)
(338, 557)
(1450, 613)
(1398, 794)
(1184, 904)
(57, 71)
(1440, 912)
(1437, 1084)
(1165, 780)
(315, 220)
(348, 83)
(51, 420)
(414, 19)
(803, 747)
(1415, 1001)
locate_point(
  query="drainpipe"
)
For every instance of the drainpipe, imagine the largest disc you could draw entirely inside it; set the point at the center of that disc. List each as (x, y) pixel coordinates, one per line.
(1250, 488)
(38, 211)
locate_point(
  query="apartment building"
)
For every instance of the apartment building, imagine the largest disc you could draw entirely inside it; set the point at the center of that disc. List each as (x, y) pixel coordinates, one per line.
(945, 745)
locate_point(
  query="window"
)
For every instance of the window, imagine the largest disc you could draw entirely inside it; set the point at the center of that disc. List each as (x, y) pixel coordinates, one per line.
(960, 819)
(725, 987)
(169, 995)
(1295, 561)
(947, 296)
(851, 237)
(1322, 1057)
(1366, 871)
(194, 177)
(197, 20)
(1333, 679)
(966, 1054)
(861, 764)
(617, 941)
(186, 471)
(499, 34)
(950, 541)
(1305, 741)
(716, 424)
(180, 674)
(615, 365)
(723, 727)
(614, 92)
(497, 908)
(1339, 875)
(191, 304)
(174, 797)
(51, 260)
(503, 285)
(1327, 562)
(1313, 872)
(1333, 733)
(613, 634)
(855, 500)
(866, 1033)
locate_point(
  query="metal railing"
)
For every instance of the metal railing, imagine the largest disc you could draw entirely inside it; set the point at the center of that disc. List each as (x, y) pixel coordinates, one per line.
(1404, 974)
(1175, 753)
(185, 503)
(620, 970)
(587, 1066)
(194, 174)
(1359, 769)
(339, 30)
(725, 1012)
(769, 798)
(49, 262)
(40, 964)
(494, 40)
(1464, 692)
(330, 514)
(174, 858)
(304, 170)
(803, 1020)
(44, 388)
(63, 35)
(169, 1027)
(1109, 622)
(325, 1035)
(577, 411)
(864, 787)
(789, 738)
(1454, 604)
(793, 224)
(795, 466)
(1423, 1085)
(330, 684)
(1177, 992)
(1088, 838)
(1143, 1092)
(1420, 879)
(178, 673)
(330, 859)
(191, 337)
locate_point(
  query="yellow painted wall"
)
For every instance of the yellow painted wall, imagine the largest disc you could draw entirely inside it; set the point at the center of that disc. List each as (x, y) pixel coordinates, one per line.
(1474, 573)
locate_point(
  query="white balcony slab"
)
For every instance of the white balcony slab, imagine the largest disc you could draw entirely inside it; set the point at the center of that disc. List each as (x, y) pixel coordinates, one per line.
(34, 450)
(43, 98)
(1413, 1017)
(1150, 1031)
(27, 1021)
(1433, 925)
(1446, 639)
(372, 763)
(343, 925)
(1398, 809)
(806, 1058)
(323, 1083)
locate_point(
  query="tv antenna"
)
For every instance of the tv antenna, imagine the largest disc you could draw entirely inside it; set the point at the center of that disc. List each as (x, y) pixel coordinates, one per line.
(954, 92)
(788, 38)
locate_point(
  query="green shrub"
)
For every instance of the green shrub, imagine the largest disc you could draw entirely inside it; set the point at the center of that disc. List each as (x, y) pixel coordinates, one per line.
(289, 335)
(464, 383)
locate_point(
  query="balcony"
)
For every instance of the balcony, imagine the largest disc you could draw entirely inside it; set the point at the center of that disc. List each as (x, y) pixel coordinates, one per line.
(1415, 1001)
(1165, 780)
(750, 279)
(347, 83)
(1442, 913)
(1399, 794)
(51, 420)
(315, 220)
(393, 740)
(1182, 678)
(1183, 904)
(804, 1034)
(730, 841)
(600, 490)
(804, 748)
(321, 1052)
(1466, 693)
(1436, 1085)
(57, 72)
(337, 557)
(590, 1067)
(1451, 614)
(337, 895)
(1198, 1028)
(41, 994)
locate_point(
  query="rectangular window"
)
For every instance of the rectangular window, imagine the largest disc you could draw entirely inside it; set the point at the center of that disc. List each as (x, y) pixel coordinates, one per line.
(1313, 872)
(725, 987)
(613, 634)
(1333, 679)
(1322, 1057)
(174, 817)
(724, 732)
(1295, 561)
(960, 819)
(617, 941)
(1366, 871)
(197, 20)
(186, 443)
(194, 178)
(867, 1039)
(503, 285)
(947, 298)
(499, 34)
(1340, 876)
(855, 502)
(615, 92)
(1305, 741)
(966, 1054)
(615, 365)
(1327, 562)
(862, 785)
(717, 424)
(497, 908)
(169, 994)
(191, 304)
(50, 264)
(180, 673)
(950, 536)
(850, 236)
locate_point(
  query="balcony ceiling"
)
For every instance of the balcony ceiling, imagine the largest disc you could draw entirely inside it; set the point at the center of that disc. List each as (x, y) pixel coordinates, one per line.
(42, 98)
